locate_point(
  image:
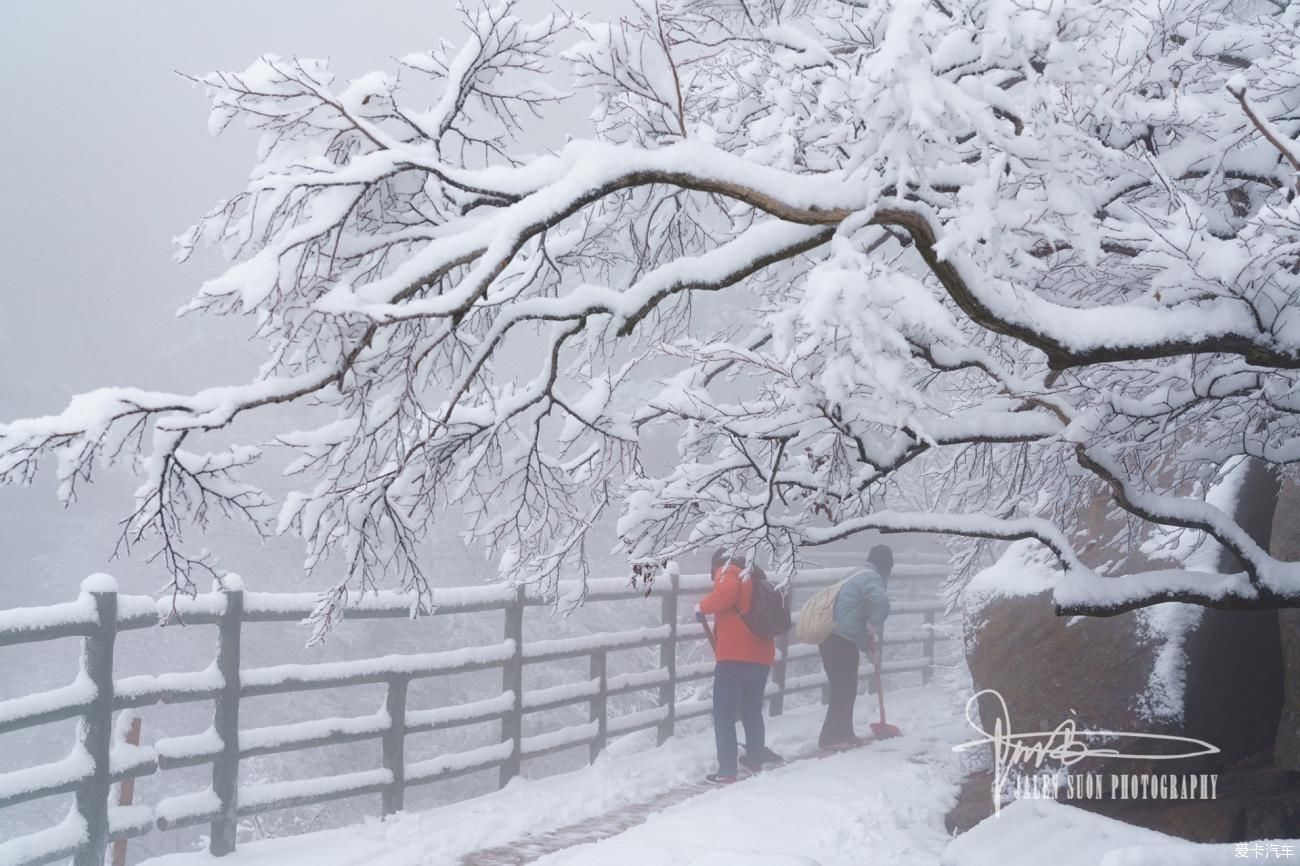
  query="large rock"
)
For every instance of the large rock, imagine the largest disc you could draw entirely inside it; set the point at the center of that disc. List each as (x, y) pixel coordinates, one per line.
(1285, 544)
(1050, 668)
(1286, 746)
(1120, 673)
(1100, 672)
(1234, 681)
(1234, 658)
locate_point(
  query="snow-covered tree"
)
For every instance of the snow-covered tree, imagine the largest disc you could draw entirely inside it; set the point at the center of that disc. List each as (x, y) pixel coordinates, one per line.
(935, 265)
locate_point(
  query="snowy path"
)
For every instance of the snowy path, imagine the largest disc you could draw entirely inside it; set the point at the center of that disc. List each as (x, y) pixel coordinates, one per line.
(533, 847)
(644, 807)
(881, 804)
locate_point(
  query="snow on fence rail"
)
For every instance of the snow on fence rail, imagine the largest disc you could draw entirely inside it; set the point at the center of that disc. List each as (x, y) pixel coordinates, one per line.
(94, 765)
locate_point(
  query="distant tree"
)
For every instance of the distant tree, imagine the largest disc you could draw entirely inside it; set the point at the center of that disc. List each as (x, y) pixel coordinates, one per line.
(927, 265)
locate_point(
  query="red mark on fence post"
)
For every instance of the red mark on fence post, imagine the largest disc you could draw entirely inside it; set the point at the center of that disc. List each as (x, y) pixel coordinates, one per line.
(126, 793)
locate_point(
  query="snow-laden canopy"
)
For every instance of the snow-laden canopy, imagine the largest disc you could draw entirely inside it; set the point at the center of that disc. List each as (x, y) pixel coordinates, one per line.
(956, 266)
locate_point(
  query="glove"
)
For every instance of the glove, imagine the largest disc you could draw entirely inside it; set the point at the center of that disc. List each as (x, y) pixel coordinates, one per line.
(699, 614)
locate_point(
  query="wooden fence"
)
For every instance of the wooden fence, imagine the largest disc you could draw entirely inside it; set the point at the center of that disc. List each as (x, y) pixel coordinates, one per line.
(96, 763)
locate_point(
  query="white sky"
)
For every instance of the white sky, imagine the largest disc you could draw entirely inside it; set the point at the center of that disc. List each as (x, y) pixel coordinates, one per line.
(108, 158)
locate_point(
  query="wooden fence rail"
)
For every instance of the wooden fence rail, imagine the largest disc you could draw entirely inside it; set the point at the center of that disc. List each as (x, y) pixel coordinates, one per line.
(100, 614)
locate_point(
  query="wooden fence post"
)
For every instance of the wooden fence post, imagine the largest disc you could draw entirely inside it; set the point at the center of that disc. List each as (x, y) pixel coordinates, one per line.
(512, 680)
(599, 704)
(928, 670)
(225, 721)
(96, 728)
(668, 659)
(394, 744)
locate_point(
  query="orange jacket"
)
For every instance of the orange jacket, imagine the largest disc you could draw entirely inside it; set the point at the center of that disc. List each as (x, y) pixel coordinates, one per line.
(736, 642)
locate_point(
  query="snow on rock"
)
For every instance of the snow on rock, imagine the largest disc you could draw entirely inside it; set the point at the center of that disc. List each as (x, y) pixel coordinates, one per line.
(1167, 626)
(1023, 569)
(1033, 832)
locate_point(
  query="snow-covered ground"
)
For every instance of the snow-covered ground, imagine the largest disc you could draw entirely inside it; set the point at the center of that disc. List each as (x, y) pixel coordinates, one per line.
(881, 804)
(1043, 831)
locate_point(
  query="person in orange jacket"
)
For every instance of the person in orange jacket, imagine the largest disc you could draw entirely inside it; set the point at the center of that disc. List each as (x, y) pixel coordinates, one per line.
(740, 676)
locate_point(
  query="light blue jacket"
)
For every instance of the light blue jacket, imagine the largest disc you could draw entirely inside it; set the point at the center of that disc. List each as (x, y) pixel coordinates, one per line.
(861, 603)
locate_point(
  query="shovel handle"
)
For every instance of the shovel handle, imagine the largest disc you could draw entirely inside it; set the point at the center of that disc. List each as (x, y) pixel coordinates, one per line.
(880, 683)
(708, 632)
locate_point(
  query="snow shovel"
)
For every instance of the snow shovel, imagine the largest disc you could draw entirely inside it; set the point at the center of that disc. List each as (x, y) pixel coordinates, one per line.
(882, 730)
(769, 756)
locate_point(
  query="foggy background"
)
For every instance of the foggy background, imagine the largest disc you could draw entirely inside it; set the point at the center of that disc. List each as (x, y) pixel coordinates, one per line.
(107, 158)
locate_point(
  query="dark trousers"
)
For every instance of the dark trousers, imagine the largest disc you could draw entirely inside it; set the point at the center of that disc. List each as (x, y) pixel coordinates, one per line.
(738, 695)
(840, 656)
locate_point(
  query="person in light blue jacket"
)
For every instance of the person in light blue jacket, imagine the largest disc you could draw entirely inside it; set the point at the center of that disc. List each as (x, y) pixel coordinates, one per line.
(861, 607)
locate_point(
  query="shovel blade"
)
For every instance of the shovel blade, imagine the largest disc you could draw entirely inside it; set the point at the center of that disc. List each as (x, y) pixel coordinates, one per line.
(883, 730)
